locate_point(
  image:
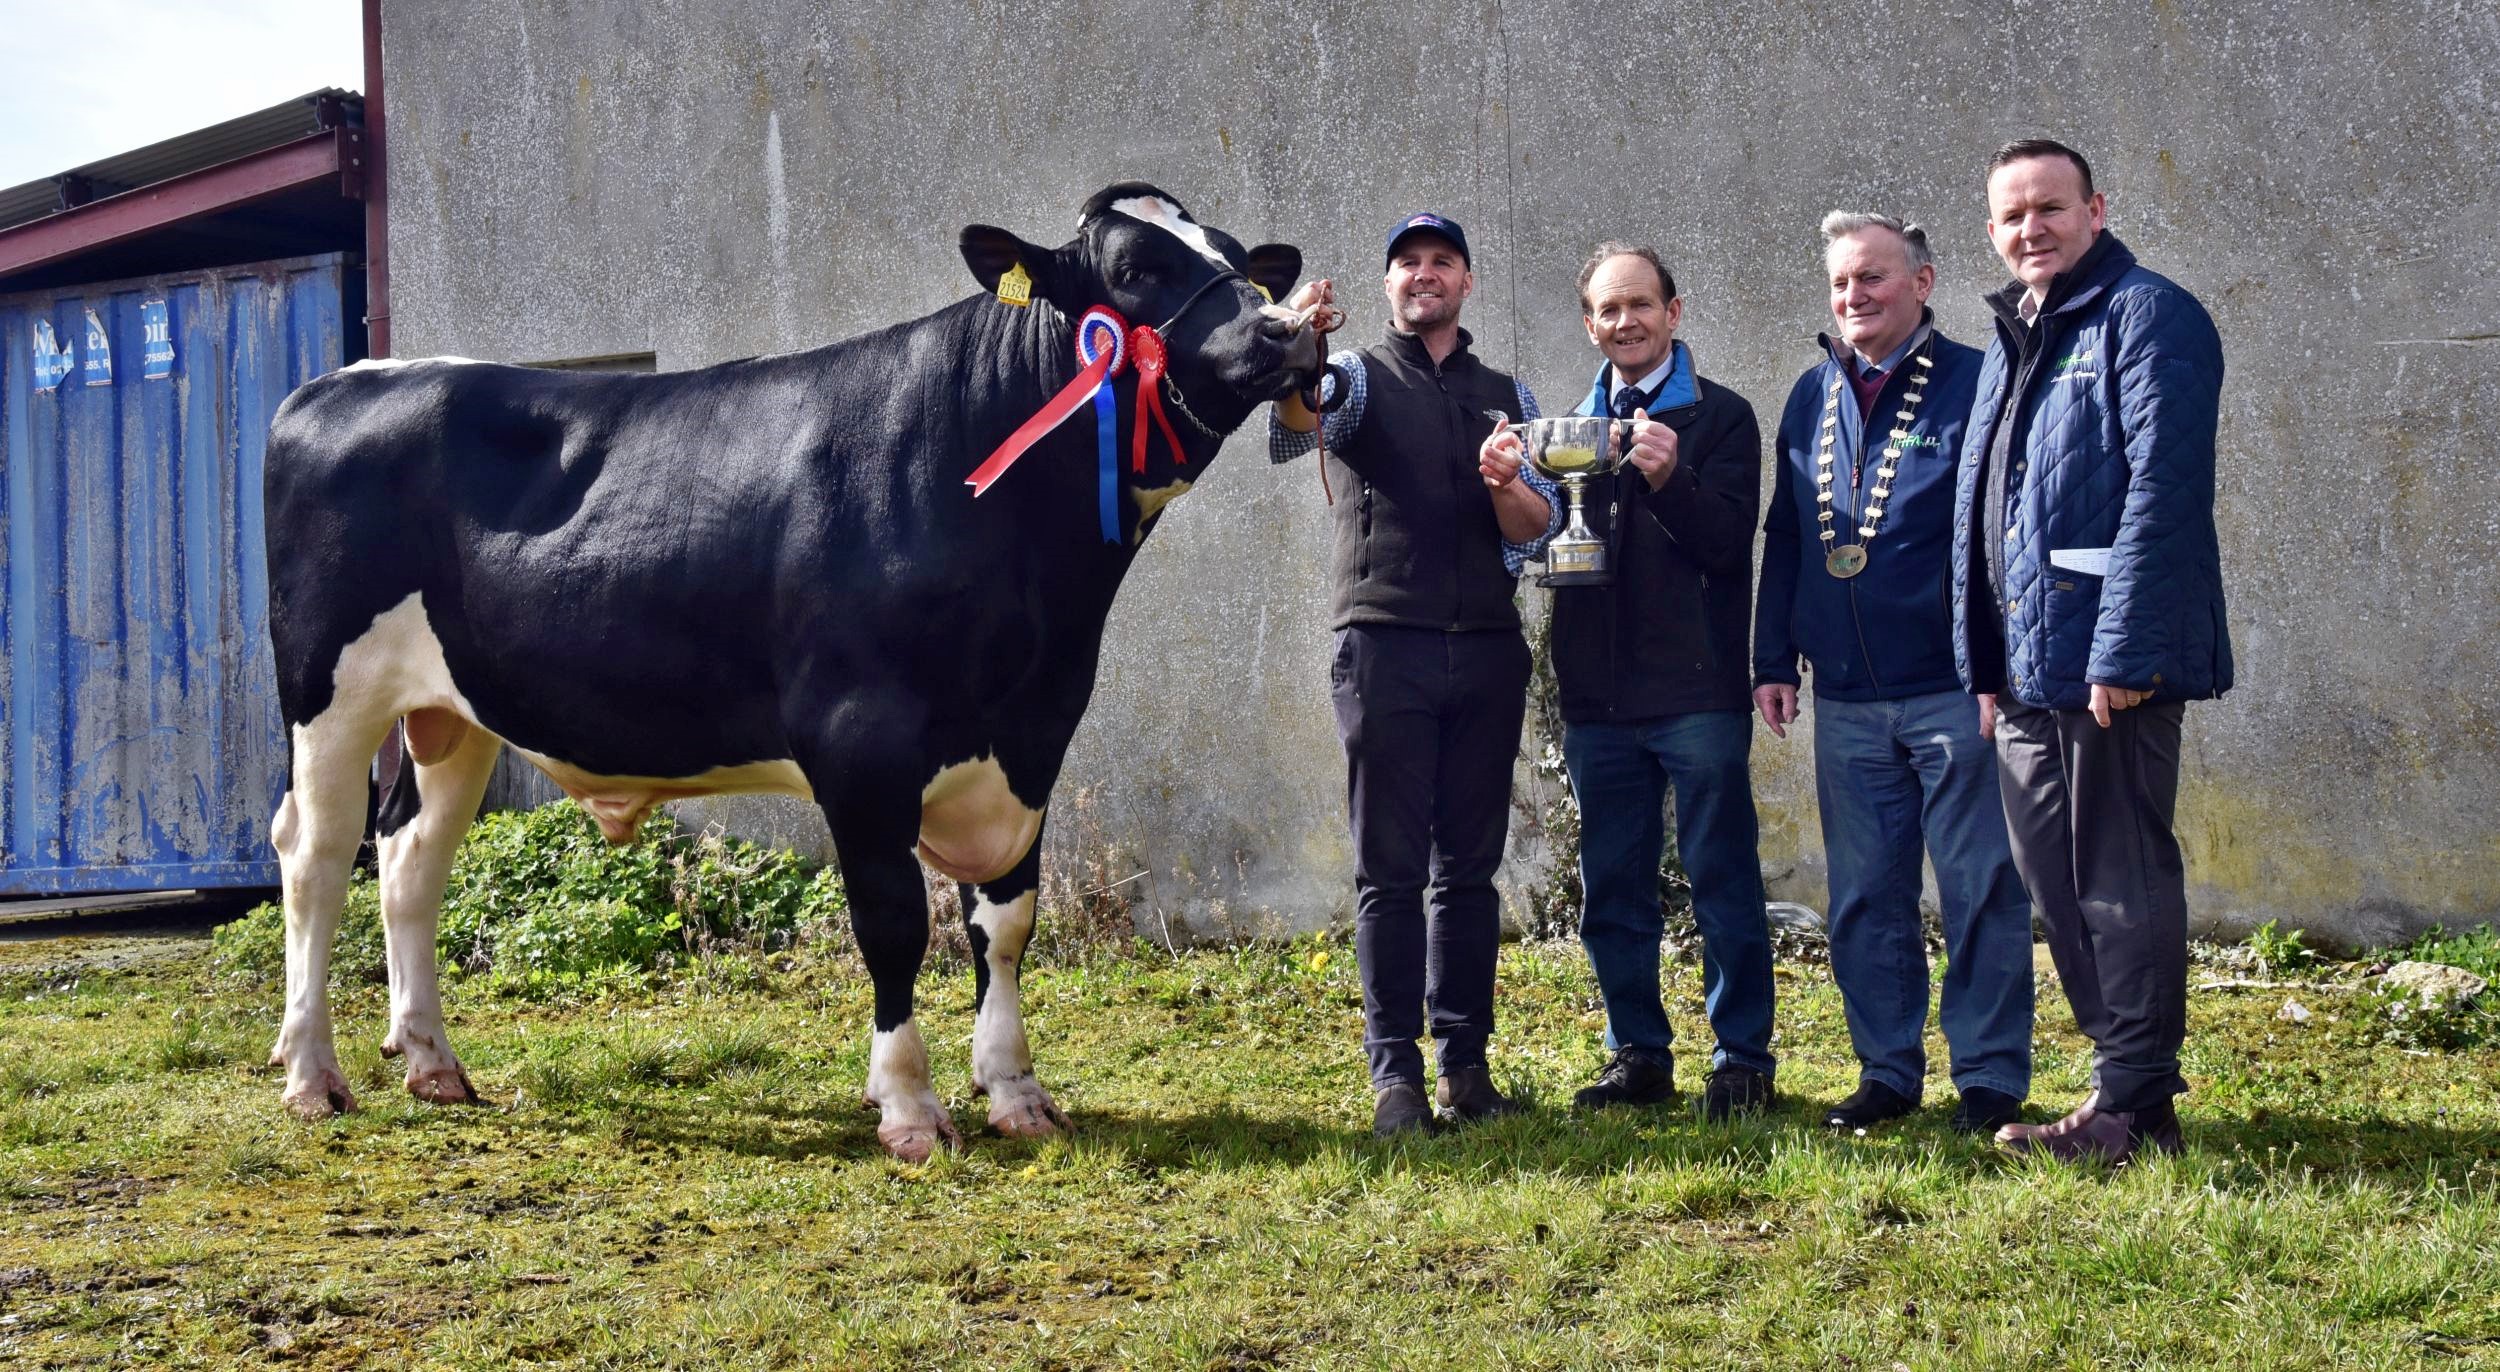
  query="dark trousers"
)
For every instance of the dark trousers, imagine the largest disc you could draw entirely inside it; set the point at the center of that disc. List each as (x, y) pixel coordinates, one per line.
(1430, 723)
(2089, 810)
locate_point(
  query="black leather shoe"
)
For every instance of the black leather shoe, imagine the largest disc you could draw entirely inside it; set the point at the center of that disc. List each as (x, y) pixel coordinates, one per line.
(1871, 1104)
(1400, 1108)
(1736, 1090)
(1632, 1077)
(1985, 1111)
(1467, 1094)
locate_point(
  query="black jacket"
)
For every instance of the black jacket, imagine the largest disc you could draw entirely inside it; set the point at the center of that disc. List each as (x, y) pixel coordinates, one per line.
(1669, 636)
(1417, 543)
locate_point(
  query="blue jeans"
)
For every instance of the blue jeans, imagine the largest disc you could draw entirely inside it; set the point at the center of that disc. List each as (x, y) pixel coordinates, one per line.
(1887, 774)
(1620, 774)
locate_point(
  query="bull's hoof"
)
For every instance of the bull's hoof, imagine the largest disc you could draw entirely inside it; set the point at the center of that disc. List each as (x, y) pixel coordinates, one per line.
(443, 1086)
(1022, 1109)
(913, 1130)
(326, 1094)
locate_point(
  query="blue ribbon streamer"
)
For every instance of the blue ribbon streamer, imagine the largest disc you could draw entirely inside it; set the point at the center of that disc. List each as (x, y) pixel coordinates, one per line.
(1107, 443)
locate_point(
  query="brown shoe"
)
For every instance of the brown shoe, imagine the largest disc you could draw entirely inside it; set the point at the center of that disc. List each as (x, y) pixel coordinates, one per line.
(1467, 1093)
(2092, 1134)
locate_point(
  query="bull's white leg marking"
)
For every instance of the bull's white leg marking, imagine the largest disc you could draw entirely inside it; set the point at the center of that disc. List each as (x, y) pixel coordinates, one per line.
(315, 832)
(913, 1120)
(393, 667)
(972, 827)
(416, 862)
(1164, 215)
(1151, 500)
(1002, 1061)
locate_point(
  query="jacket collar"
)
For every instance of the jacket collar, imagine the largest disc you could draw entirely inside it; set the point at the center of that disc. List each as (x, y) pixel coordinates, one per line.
(2100, 267)
(1841, 352)
(1680, 389)
(1410, 348)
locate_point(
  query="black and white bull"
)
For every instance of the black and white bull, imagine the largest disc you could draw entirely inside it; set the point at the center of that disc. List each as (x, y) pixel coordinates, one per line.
(766, 575)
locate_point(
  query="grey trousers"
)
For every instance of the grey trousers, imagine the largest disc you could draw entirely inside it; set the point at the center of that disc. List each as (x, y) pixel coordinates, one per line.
(2089, 810)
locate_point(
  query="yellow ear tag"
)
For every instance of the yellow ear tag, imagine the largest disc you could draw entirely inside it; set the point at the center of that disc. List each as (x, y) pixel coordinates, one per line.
(1264, 292)
(1015, 287)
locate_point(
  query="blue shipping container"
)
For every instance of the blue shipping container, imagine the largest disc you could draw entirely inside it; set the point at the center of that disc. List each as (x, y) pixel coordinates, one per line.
(139, 738)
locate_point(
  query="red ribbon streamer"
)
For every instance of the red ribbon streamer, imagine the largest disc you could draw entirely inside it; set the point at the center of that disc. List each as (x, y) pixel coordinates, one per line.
(1068, 401)
(1147, 347)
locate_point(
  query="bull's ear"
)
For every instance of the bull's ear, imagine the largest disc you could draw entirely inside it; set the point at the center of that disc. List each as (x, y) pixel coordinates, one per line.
(1275, 266)
(993, 253)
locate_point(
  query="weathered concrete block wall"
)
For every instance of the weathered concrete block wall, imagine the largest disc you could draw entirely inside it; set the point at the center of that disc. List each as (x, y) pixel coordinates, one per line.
(709, 180)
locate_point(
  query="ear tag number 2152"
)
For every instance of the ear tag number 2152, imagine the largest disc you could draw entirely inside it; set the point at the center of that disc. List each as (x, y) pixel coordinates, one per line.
(1015, 287)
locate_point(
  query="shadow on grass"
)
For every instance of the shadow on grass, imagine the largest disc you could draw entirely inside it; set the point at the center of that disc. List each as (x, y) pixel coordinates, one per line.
(1542, 1142)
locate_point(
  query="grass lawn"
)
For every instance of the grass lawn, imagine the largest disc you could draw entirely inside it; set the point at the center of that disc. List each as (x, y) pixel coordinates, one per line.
(683, 1176)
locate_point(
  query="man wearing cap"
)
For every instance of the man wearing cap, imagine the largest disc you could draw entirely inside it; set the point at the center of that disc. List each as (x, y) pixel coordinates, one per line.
(2087, 597)
(1653, 683)
(1430, 676)
(1856, 550)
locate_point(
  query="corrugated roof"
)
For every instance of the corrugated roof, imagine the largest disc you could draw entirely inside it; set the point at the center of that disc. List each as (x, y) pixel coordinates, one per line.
(188, 152)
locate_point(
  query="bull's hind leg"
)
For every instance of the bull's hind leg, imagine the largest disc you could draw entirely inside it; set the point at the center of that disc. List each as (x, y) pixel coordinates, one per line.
(452, 761)
(998, 920)
(315, 832)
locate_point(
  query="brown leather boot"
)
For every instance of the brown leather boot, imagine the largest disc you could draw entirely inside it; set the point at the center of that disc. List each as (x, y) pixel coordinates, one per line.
(2092, 1134)
(1467, 1093)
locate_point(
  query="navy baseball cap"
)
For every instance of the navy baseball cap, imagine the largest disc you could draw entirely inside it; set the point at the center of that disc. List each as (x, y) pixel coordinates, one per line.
(1428, 222)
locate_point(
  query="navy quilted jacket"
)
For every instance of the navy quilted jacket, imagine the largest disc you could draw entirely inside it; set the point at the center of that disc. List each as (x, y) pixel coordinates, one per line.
(2113, 573)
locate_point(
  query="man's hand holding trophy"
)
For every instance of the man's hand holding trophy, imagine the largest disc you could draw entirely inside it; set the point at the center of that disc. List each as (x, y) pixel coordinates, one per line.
(1572, 449)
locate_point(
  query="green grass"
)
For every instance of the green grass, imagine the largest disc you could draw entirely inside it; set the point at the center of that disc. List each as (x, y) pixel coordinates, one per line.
(677, 1173)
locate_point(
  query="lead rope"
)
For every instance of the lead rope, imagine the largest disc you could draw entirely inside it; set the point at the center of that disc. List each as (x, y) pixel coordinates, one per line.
(1323, 323)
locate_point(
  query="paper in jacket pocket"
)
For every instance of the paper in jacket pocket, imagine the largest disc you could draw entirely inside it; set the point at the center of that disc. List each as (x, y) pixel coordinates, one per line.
(2089, 561)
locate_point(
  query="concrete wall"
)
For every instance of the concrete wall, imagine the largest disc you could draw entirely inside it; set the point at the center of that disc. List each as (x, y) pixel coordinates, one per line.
(708, 180)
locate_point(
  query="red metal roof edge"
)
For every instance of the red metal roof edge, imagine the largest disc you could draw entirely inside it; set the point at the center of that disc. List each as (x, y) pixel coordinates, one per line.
(334, 153)
(184, 153)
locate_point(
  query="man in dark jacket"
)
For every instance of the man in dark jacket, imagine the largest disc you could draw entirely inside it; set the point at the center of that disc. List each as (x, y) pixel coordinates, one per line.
(1652, 671)
(2087, 590)
(1856, 561)
(1431, 674)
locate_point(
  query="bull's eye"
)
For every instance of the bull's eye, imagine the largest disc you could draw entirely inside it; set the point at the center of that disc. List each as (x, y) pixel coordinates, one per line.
(1134, 276)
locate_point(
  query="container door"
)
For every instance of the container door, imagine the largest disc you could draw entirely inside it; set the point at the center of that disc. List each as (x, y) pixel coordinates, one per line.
(139, 733)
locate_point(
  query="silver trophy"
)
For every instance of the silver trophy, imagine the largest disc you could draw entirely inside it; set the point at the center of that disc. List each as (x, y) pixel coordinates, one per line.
(1572, 449)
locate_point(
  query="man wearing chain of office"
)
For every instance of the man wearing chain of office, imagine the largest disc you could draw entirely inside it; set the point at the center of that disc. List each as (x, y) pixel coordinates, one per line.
(1856, 555)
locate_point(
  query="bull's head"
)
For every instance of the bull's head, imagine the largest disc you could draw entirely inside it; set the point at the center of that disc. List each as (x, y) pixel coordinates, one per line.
(1137, 250)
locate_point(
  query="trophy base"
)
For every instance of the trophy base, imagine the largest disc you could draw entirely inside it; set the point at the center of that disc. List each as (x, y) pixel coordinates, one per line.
(1575, 561)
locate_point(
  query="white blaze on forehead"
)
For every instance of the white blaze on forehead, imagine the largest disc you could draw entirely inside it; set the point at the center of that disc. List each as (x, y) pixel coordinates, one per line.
(1155, 210)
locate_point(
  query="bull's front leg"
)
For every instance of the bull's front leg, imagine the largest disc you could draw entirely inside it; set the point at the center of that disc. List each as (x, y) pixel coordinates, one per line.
(890, 918)
(875, 835)
(998, 921)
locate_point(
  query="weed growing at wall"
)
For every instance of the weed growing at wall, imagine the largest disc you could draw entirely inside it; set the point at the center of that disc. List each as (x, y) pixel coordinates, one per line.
(2280, 952)
(2476, 950)
(538, 902)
